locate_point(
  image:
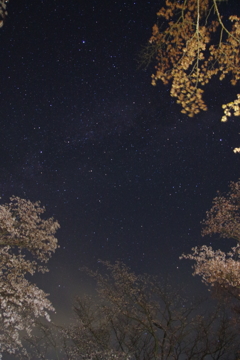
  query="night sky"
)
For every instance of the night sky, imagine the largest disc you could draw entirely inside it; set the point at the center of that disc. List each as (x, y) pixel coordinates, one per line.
(110, 156)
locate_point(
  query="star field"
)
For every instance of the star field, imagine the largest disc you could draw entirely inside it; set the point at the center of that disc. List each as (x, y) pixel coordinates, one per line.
(111, 157)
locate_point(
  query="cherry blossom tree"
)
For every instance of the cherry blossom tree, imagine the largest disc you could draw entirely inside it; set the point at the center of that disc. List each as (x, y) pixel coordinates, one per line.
(136, 317)
(26, 241)
(217, 268)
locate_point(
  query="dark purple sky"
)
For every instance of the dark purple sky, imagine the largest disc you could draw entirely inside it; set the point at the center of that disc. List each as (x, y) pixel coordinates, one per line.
(111, 157)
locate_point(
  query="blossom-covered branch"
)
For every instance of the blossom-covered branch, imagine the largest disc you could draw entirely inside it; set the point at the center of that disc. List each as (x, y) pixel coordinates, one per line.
(218, 268)
(22, 231)
(191, 43)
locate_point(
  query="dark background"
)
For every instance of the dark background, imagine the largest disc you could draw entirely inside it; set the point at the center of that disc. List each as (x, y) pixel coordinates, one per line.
(110, 156)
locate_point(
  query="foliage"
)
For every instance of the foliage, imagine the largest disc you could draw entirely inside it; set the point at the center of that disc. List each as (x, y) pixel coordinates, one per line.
(134, 317)
(217, 268)
(3, 11)
(191, 44)
(22, 233)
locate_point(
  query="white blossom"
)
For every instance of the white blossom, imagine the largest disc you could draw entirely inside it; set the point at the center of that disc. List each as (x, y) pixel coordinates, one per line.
(216, 267)
(21, 302)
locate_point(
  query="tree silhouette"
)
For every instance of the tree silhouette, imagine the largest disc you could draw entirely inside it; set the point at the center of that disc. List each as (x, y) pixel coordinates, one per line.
(137, 317)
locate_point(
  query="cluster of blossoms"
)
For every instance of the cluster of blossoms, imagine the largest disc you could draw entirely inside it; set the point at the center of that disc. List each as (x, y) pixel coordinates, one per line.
(188, 53)
(224, 216)
(217, 267)
(22, 232)
(233, 106)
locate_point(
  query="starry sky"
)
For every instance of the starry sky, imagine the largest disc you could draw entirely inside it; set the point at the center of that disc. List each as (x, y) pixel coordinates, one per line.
(111, 157)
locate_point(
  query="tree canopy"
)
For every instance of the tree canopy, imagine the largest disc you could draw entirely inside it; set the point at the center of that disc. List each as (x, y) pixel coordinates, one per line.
(192, 42)
(219, 269)
(26, 241)
(137, 317)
